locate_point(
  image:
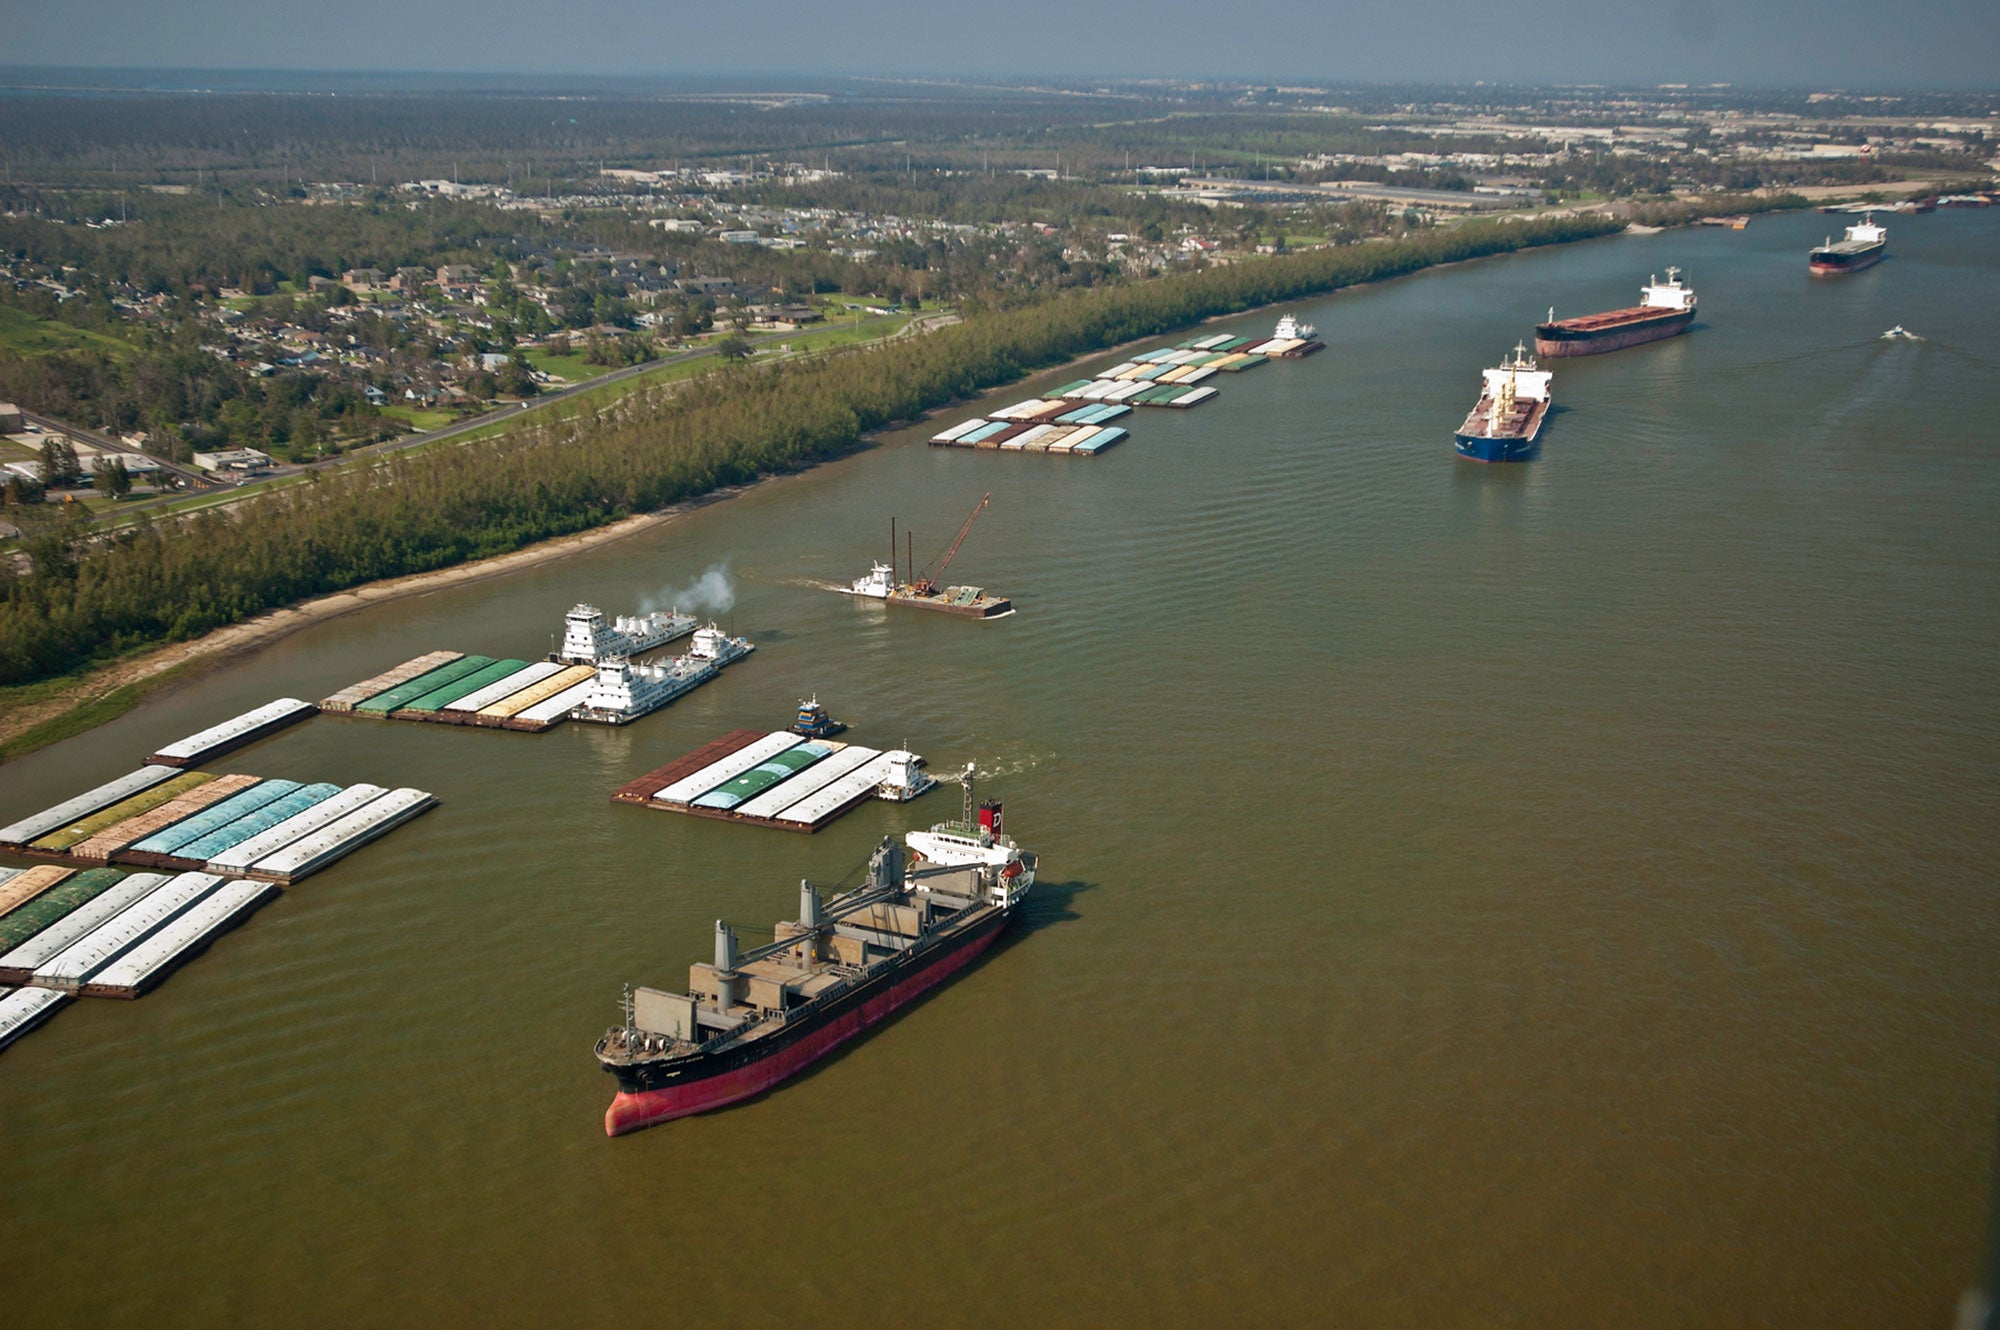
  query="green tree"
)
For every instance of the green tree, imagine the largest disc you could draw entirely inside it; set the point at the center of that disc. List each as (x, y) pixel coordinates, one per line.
(735, 347)
(111, 477)
(59, 465)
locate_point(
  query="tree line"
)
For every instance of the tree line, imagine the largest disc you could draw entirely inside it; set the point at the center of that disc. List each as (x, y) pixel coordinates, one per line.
(89, 598)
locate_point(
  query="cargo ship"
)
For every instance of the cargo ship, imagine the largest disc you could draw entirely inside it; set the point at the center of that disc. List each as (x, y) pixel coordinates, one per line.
(623, 690)
(1862, 247)
(922, 591)
(1664, 308)
(587, 638)
(753, 1018)
(1506, 425)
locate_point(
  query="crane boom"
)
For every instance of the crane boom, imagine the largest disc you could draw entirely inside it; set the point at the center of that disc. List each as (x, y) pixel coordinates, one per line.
(926, 585)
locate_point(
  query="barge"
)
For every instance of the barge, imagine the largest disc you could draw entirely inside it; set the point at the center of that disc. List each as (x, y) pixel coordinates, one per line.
(922, 591)
(968, 601)
(234, 733)
(240, 825)
(1664, 309)
(778, 780)
(754, 1018)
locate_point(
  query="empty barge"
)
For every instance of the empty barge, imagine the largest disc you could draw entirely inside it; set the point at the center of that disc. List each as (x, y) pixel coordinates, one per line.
(234, 733)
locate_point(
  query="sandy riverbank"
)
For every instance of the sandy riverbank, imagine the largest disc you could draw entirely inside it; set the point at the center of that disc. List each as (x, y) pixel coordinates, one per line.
(215, 648)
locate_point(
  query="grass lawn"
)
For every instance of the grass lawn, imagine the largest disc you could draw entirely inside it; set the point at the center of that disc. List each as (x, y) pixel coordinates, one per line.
(844, 332)
(418, 418)
(571, 367)
(24, 334)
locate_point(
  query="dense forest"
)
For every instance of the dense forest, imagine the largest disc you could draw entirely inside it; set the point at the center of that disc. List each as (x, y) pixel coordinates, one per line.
(88, 598)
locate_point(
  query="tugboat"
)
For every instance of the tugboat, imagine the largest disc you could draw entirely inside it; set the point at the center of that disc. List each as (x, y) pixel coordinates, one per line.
(906, 778)
(1862, 247)
(755, 1017)
(1506, 425)
(1290, 328)
(814, 723)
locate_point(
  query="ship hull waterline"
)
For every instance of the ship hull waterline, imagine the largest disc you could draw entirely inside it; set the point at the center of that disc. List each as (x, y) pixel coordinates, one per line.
(635, 1110)
(991, 608)
(1481, 448)
(1833, 268)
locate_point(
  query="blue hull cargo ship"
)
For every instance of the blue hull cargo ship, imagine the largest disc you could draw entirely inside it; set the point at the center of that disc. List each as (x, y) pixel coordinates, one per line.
(1506, 425)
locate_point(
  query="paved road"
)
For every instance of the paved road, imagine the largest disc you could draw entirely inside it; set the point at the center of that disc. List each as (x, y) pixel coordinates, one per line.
(112, 444)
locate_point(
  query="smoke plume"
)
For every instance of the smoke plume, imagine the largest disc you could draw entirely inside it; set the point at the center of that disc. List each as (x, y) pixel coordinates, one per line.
(711, 593)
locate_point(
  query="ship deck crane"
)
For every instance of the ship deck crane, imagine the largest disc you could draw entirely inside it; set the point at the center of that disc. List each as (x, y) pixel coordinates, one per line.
(926, 584)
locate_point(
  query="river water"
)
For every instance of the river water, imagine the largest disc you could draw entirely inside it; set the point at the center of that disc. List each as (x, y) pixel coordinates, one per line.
(1535, 895)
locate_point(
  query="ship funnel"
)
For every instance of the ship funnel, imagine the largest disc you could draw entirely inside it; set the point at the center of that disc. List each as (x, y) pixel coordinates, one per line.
(725, 967)
(989, 817)
(885, 869)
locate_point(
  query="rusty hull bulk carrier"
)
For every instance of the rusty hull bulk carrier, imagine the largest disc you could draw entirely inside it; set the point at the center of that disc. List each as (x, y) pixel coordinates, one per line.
(756, 1017)
(1664, 308)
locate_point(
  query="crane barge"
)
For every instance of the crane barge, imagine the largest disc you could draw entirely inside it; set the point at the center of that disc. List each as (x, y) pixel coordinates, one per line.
(924, 590)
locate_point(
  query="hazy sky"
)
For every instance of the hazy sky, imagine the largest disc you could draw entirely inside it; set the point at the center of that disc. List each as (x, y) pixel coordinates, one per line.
(1879, 43)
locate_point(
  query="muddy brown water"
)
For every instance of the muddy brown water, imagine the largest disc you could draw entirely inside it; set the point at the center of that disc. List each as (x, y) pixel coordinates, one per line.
(1536, 895)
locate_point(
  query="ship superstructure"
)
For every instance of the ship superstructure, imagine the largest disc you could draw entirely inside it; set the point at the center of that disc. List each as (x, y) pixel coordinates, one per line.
(976, 840)
(588, 639)
(1862, 247)
(813, 722)
(1290, 329)
(754, 1017)
(1664, 309)
(1506, 424)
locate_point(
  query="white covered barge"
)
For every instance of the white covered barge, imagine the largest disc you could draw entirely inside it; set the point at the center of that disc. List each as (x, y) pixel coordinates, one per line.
(778, 780)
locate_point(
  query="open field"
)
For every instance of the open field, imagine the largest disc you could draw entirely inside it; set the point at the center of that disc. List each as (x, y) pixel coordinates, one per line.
(24, 334)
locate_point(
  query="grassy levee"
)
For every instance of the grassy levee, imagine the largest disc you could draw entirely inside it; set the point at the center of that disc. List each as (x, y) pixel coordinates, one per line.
(167, 581)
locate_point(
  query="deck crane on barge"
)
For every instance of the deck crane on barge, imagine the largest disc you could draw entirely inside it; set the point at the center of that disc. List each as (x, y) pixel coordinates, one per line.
(922, 590)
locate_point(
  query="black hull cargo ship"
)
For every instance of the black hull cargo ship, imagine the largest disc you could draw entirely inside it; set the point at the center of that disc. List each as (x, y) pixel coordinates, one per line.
(753, 1018)
(1862, 247)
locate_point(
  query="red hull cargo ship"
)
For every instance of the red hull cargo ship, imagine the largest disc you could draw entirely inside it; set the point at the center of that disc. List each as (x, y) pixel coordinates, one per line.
(754, 1018)
(1664, 309)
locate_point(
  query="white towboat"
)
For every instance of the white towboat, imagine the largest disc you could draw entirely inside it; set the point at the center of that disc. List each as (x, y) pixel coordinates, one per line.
(624, 690)
(1291, 328)
(587, 638)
